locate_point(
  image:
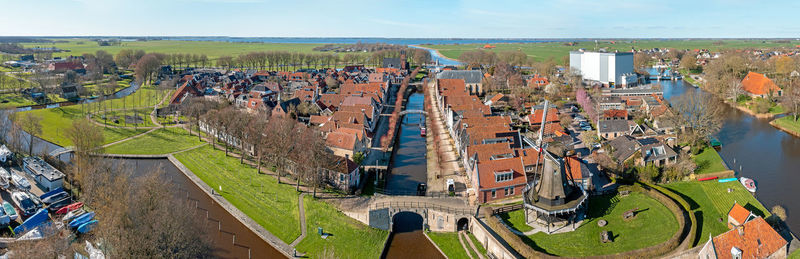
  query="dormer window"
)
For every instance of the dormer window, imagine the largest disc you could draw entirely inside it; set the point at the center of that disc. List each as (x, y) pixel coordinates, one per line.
(503, 176)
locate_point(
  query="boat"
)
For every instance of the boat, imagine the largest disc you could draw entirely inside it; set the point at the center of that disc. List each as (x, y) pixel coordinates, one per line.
(78, 221)
(86, 227)
(10, 210)
(422, 131)
(20, 182)
(32, 222)
(4, 219)
(51, 193)
(748, 183)
(55, 206)
(73, 214)
(708, 178)
(732, 179)
(55, 197)
(24, 202)
(69, 208)
(5, 178)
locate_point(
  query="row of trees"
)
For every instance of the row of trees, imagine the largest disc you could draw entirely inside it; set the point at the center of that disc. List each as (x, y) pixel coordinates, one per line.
(292, 148)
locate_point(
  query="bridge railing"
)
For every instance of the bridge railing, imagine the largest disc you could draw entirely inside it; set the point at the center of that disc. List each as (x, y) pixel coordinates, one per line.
(423, 205)
(442, 194)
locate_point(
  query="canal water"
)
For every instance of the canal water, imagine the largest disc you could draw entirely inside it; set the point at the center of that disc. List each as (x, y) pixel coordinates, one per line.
(408, 171)
(755, 149)
(409, 165)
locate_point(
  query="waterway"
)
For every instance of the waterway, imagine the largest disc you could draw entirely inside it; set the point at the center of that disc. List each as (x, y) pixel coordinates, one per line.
(755, 149)
(409, 165)
(408, 240)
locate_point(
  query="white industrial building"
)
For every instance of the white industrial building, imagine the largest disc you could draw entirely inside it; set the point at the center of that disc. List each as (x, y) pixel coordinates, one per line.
(609, 68)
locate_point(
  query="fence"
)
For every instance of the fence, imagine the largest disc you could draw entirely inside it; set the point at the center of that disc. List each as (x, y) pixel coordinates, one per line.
(505, 209)
(414, 193)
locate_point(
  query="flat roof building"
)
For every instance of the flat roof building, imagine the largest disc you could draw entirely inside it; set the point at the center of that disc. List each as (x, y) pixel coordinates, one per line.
(609, 68)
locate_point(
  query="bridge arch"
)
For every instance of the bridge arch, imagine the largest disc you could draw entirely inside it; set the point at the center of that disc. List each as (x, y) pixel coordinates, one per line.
(407, 221)
(462, 224)
(402, 113)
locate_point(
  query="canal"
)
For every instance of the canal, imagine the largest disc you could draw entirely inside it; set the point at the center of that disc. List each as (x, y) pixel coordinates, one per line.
(755, 149)
(409, 169)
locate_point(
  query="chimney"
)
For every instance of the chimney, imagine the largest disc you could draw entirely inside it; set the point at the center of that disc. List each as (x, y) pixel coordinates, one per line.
(740, 229)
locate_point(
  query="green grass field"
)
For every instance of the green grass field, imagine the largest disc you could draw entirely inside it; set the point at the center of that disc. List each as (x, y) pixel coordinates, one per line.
(478, 245)
(449, 244)
(557, 50)
(710, 201)
(56, 121)
(272, 206)
(160, 141)
(350, 239)
(653, 224)
(212, 49)
(14, 100)
(788, 123)
(708, 161)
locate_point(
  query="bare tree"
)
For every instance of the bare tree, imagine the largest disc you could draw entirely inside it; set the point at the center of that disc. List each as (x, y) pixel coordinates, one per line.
(32, 124)
(701, 113)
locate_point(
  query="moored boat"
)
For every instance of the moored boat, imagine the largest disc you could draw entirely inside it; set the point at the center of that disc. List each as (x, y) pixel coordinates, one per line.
(73, 214)
(748, 183)
(77, 222)
(727, 180)
(10, 210)
(422, 131)
(86, 227)
(69, 208)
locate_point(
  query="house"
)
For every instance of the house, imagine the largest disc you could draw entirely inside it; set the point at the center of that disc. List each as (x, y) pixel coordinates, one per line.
(753, 239)
(69, 92)
(496, 100)
(611, 129)
(64, 66)
(500, 178)
(344, 174)
(473, 79)
(614, 114)
(538, 81)
(649, 150)
(47, 176)
(758, 85)
(345, 143)
(738, 215)
(578, 172)
(535, 118)
(285, 107)
(398, 63)
(611, 102)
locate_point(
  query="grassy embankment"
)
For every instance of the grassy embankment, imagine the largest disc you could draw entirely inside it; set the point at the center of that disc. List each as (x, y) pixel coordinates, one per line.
(557, 50)
(788, 123)
(653, 224)
(212, 49)
(710, 201)
(160, 141)
(274, 206)
(449, 244)
(708, 161)
(55, 121)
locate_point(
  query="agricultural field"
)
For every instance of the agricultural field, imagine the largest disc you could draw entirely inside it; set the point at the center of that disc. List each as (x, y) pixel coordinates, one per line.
(542, 51)
(212, 49)
(652, 225)
(710, 201)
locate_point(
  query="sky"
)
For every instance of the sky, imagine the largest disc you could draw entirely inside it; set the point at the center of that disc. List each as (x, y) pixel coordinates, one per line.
(403, 19)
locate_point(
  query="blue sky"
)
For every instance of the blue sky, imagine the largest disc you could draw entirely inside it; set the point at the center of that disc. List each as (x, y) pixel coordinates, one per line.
(402, 19)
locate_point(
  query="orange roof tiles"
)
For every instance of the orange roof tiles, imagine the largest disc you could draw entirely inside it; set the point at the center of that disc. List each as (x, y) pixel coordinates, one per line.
(757, 240)
(488, 169)
(738, 213)
(574, 167)
(758, 84)
(614, 113)
(536, 117)
(341, 140)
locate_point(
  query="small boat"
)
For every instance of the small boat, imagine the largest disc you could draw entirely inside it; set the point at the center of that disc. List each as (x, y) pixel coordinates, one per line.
(20, 182)
(58, 190)
(5, 178)
(422, 131)
(708, 178)
(32, 222)
(69, 208)
(4, 219)
(24, 203)
(748, 183)
(10, 210)
(86, 227)
(732, 179)
(73, 214)
(55, 206)
(78, 221)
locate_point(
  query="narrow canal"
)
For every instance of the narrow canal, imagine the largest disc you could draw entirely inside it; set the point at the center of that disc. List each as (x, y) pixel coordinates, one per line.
(409, 170)
(755, 149)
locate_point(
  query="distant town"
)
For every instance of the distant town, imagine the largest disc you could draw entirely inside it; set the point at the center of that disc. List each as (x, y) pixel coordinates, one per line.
(121, 147)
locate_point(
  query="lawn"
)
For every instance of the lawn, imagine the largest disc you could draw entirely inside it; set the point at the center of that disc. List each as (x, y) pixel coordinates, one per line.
(795, 254)
(558, 50)
(269, 204)
(710, 201)
(350, 238)
(788, 123)
(212, 49)
(14, 100)
(709, 161)
(653, 224)
(160, 141)
(478, 245)
(56, 121)
(118, 117)
(449, 244)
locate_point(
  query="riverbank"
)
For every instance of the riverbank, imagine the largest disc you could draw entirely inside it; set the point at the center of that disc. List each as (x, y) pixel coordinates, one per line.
(436, 51)
(751, 112)
(786, 124)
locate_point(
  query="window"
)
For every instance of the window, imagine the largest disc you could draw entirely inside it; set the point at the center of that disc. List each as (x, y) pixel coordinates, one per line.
(505, 191)
(341, 177)
(510, 190)
(503, 176)
(494, 193)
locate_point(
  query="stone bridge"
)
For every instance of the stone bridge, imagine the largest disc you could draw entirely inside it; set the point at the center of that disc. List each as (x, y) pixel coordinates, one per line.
(435, 217)
(403, 113)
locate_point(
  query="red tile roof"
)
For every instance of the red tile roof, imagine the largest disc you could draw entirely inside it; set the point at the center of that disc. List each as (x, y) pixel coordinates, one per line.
(341, 140)
(574, 168)
(488, 169)
(738, 213)
(614, 113)
(758, 84)
(536, 117)
(757, 240)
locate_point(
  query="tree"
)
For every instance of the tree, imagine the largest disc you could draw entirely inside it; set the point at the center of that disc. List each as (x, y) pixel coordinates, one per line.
(32, 124)
(86, 137)
(640, 60)
(146, 67)
(701, 114)
(281, 132)
(791, 98)
(688, 62)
